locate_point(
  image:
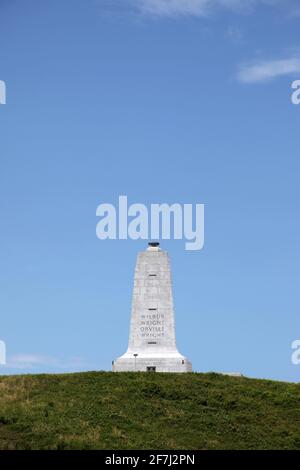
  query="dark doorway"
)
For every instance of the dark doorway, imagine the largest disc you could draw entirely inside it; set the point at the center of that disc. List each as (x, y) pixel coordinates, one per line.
(151, 368)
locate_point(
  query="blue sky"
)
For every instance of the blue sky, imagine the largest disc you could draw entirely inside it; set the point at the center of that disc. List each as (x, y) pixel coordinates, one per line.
(164, 101)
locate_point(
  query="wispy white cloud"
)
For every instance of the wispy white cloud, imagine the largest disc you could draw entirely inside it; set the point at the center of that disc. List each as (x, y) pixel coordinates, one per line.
(35, 361)
(28, 361)
(266, 70)
(175, 8)
(190, 8)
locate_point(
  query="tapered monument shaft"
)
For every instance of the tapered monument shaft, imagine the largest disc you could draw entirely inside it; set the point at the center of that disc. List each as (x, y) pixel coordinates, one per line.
(152, 344)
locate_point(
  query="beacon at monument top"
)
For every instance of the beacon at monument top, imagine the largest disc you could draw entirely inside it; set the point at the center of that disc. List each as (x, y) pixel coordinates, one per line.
(152, 343)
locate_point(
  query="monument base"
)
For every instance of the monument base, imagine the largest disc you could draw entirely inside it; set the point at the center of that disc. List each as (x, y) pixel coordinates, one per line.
(144, 362)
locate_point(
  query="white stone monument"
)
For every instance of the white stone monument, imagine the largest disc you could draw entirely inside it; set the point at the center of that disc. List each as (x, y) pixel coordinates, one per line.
(152, 344)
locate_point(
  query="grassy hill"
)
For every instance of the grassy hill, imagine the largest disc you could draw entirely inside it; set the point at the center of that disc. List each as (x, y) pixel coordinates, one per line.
(104, 410)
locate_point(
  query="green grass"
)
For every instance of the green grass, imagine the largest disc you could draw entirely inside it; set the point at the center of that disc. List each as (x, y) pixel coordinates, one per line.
(104, 410)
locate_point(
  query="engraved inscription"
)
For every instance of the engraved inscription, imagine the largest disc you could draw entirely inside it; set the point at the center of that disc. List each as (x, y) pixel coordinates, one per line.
(152, 325)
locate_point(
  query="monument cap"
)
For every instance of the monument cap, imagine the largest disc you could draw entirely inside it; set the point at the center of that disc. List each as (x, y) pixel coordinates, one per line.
(153, 244)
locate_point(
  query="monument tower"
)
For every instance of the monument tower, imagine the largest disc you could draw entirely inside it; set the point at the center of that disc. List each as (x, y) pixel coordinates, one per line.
(152, 344)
